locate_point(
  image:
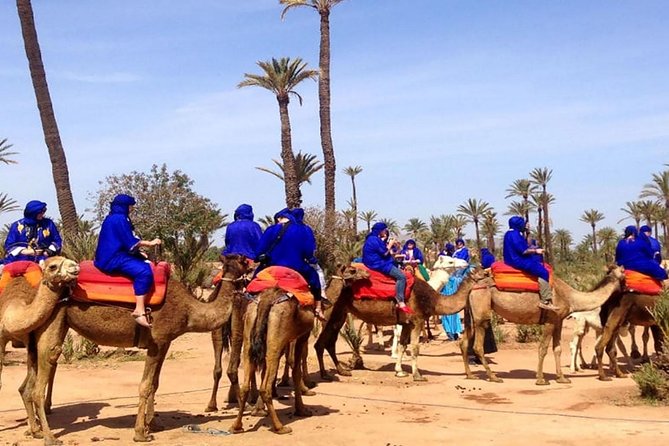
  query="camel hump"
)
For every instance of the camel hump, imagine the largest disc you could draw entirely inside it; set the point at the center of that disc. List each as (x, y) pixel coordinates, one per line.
(508, 278)
(95, 286)
(637, 282)
(379, 286)
(29, 270)
(286, 279)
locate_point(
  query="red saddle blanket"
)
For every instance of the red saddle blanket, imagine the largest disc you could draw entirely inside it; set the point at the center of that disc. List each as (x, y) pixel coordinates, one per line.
(95, 286)
(508, 278)
(379, 286)
(641, 283)
(29, 270)
(285, 279)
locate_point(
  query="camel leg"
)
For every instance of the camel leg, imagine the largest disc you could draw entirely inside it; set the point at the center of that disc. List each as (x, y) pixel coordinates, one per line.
(272, 358)
(154, 356)
(543, 349)
(415, 348)
(400, 351)
(289, 356)
(397, 332)
(49, 390)
(612, 353)
(623, 350)
(217, 342)
(249, 375)
(150, 408)
(634, 349)
(327, 340)
(658, 338)
(645, 337)
(479, 350)
(27, 387)
(557, 352)
(616, 318)
(236, 342)
(467, 337)
(307, 383)
(3, 346)
(370, 336)
(300, 348)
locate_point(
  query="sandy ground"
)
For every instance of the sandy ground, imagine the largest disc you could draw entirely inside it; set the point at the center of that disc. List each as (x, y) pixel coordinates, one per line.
(96, 402)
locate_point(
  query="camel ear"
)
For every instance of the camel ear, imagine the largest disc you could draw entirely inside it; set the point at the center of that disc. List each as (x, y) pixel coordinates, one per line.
(42, 264)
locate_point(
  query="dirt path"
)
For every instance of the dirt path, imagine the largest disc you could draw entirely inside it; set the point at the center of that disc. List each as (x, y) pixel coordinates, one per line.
(97, 402)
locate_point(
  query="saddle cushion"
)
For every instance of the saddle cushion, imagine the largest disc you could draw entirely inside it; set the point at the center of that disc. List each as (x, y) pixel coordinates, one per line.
(95, 286)
(285, 279)
(508, 278)
(379, 286)
(29, 270)
(641, 283)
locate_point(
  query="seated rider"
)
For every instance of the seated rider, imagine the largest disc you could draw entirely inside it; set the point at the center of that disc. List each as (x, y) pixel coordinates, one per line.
(634, 254)
(118, 253)
(449, 250)
(298, 213)
(654, 245)
(535, 245)
(377, 255)
(34, 237)
(487, 258)
(243, 234)
(519, 255)
(461, 251)
(289, 244)
(412, 254)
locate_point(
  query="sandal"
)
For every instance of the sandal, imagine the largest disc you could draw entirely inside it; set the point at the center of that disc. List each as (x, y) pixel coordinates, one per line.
(405, 309)
(319, 314)
(142, 319)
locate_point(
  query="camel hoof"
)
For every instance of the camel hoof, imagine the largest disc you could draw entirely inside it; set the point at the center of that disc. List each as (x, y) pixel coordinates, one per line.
(419, 378)
(563, 380)
(310, 384)
(401, 374)
(345, 372)
(326, 376)
(604, 378)
(258, 412)
(542, 382)
(236, 430)
(621, 375)
(36, 434)
(495, 379)
(308, 392)
(472, 377)
(283, 383)
(283, 430)
(211, 409)
(142, 438)
(304, 412)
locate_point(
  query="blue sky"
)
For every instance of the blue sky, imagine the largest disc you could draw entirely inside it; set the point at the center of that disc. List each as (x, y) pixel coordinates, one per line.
(439, 101)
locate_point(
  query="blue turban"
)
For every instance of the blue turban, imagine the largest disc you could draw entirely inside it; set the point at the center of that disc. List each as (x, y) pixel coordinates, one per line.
(33, 208)
(645, 228)
(631, 230)
(298, 213)
(378, 227)
(121, 204)
(244, 212)
(517, 223)
(459, 241)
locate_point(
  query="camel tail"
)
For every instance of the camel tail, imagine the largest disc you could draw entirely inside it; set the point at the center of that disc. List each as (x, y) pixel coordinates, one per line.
(259, 337)
(226, 331)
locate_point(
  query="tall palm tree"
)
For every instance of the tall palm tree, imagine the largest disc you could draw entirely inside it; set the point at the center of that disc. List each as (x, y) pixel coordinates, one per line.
(306, 165)
(563, 239)
(491, 228)
(5, 154)
(441, 229)
(393, 227)
(7, 204)
(60, 172)
(592, 217)
(281, 77)
(523, 188)
(522, 208)
(323, 8)
(474, 210)
(353, 171)
(607, 238)
(458, 223)
(648, 209)
(659, 190)
(414, 227)
(541, 177)
(368, 217)
(633, 210)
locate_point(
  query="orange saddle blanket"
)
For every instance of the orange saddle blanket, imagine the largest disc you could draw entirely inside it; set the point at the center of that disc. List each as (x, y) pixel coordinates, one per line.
(29, 270)
(285, 279)
(379, 286)
(641, 283)
(508, 278)
(95, 286)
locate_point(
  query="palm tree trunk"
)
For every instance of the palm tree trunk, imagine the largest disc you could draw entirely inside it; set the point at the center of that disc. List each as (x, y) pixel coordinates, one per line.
(540, 226)
(594, 240)
(330, 167)
(548, 253)
(61, 176)
(291, 187)
(478, 238)
(355, 210)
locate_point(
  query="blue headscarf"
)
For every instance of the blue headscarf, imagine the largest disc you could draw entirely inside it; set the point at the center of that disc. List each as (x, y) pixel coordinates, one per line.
(298, 213)
(631, 230)
(33, 208)
(121, 204)
(645, 228)
(517, 223)
(244, 212)
(285, 213)
(377, 229)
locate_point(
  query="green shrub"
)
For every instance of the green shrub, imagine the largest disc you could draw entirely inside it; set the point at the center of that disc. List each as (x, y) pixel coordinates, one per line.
(500, 335)
(653, 382)
(528, 333)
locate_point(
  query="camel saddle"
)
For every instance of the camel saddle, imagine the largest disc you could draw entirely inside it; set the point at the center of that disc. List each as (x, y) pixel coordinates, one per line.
(285, 279)
(508, 278)
(636, 282)
(95, 286)
(29, 270)
(380, 286)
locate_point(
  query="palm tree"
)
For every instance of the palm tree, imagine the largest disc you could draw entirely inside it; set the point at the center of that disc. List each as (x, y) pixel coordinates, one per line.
(458, 223)
(352, 172)
(281, 77)
(659, 190)
(633, 210)
(491, 227)
(323, 8)
(441, 230)
(541, 177)
(393, 227)
(564, 240)
(266, 221)
(592, 217)
(523, 188)
(522, 208)
(368, 217)
(7, 204)
(5, 154)
(414, 227)
(474, 210)
(61, 175)
(306, 165)
(607, 239)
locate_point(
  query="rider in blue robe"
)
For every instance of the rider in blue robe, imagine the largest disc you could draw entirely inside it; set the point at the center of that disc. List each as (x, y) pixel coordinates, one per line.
(243, 234)
(34, 237)
(635, 254)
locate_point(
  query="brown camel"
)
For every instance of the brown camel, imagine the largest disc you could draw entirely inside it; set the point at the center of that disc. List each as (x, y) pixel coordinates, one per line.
(113, 326)
(622, 308)
(425, 301)
(272, 321)
(23, 309)
(521, 308)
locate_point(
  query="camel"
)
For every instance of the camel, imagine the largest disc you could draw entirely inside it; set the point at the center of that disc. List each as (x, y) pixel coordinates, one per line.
(23, 309)
(113, 326)
(521, 308)
(272, 321)
(425, 301)
(584, 320)
(625, 307)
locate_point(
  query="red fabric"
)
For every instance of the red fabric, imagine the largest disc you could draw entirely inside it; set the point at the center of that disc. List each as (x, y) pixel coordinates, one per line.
(30, 270)
(94, 285)
(283, 278)
(641, 283)
(379, 286)
(509, 278)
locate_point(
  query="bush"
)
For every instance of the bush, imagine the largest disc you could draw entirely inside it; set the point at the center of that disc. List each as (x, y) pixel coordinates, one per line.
(528, 333)
(86, 349)
(500, 335)
(653, 382)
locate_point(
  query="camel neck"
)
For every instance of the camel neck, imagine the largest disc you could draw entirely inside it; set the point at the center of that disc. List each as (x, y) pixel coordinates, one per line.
(455, 302)
(586, 301)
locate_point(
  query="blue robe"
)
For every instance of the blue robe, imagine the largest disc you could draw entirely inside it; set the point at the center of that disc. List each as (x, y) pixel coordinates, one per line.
(634, 254)
(515, 246)
(487, 259)
(417, 253)
(40, 234)
(462, 253)
(375, 254)
(242, 235)
(451, 322)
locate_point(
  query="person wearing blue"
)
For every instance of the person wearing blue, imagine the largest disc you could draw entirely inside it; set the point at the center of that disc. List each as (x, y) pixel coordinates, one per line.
(118, 253)
(34, 237)
(243, 234)
(412, 254)
(487, 258)
(519, 255)
(461, 251)
(645, 234)
(377, 255)
(635, 254)
(298, 213)
(535, 245)
(291, 244)
(448, 250)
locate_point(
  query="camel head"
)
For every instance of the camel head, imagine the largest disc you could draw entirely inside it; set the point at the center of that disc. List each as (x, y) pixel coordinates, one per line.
(58, 272)
(352, 274)
(616, 272)
(449, 263)
(478, 273)
(235, 266)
